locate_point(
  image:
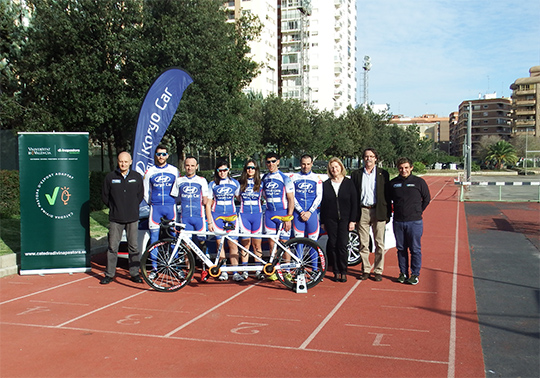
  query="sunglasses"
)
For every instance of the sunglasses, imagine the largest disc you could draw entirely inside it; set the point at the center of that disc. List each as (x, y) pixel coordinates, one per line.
(161, 154)
(271, 161)
(250, 167)
(223, 169)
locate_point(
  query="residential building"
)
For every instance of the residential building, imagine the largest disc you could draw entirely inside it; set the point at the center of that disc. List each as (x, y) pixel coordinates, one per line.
(491, 116)
(307, 50)
(526, 103)
(264, 50)
(431, 126)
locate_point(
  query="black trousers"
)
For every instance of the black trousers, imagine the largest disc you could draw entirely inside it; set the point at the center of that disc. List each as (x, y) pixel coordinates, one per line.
(336, 247)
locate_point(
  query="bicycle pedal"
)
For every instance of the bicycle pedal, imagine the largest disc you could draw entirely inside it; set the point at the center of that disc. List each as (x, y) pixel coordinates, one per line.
(204, 276)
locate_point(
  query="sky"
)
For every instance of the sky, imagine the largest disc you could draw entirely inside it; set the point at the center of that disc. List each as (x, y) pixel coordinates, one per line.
(428, 56)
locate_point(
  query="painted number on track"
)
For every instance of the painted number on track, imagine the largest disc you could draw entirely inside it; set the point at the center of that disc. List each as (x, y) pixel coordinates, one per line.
(246, 328)
(35, 310)
(133, 319)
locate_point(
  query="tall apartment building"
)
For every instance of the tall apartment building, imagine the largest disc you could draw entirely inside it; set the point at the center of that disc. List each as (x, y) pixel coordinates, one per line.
(526, 103)
(490, 116)
(307, 50)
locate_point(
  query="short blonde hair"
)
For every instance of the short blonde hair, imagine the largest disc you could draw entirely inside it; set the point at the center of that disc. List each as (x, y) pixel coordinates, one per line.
(336, 160)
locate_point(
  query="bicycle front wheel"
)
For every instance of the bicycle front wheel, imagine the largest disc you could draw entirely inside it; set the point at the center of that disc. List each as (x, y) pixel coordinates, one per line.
(165, 269)
(311, 262)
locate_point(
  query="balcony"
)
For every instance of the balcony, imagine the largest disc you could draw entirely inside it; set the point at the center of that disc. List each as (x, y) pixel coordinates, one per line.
(524, 112)
(523, 92)
(338, 3)
(524, 122)
(520, 102)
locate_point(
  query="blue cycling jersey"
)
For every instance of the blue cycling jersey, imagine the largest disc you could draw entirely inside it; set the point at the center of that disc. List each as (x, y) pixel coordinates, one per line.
(223, 196)
(307, 191)
(275, 188)
(191, 191)
(250, 200)
(158, 182)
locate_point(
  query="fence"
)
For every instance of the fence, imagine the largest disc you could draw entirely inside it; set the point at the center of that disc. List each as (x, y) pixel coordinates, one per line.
(501, 191)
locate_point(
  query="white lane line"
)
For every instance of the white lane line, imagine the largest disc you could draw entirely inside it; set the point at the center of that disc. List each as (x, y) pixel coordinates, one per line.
(101, 308)
(209, 311)
(214, 341)
(405, 291)
(264, 318)
(452, 346)
(329, 316)
(155, 310)
(61, 303)
(389, 328)
(49, 289)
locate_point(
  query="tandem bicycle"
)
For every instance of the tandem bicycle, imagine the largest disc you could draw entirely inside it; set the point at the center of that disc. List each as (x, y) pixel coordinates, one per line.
(169, 264)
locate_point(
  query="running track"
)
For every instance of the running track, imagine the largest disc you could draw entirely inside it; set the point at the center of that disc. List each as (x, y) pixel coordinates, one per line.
(70, 326)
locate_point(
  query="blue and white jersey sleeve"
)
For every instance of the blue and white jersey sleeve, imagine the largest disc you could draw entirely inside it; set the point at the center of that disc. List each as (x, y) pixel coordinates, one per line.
(191, 191)
(158, 182)
(250, 200)
(307, 191)
(223, 196)
(275, 188)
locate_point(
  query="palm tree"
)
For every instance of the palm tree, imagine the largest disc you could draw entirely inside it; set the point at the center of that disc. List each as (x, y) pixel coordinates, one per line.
(501, 153)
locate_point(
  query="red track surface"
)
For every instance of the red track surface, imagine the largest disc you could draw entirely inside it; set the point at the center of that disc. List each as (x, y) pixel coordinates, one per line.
(70, 326)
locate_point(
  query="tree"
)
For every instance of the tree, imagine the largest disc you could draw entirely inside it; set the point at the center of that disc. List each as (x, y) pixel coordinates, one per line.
(285, 126)
(501, 153)
(95, 79)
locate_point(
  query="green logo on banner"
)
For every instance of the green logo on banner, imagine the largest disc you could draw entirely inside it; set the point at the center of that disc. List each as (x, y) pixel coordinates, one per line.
(55, 210)
(52, 199)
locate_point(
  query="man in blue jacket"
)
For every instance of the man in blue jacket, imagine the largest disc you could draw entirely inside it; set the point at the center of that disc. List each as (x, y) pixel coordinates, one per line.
(122, 192)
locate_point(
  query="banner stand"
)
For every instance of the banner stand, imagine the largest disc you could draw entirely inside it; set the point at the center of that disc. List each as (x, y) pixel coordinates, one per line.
(55, 203)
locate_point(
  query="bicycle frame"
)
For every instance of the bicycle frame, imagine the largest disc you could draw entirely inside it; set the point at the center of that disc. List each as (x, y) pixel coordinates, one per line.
(216, 266)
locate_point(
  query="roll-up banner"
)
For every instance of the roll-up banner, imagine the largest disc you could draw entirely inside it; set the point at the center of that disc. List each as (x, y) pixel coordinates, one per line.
(55, 194)
(156, 113)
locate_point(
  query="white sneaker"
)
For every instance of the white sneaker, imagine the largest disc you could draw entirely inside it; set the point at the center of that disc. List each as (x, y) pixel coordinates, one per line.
(223, 276)
(152, 276)
(238, 277)
(260, 275)
(245, 275)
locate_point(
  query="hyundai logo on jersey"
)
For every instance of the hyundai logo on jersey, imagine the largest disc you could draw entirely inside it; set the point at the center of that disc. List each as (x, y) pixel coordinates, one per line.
(190, 189)
(224, 191)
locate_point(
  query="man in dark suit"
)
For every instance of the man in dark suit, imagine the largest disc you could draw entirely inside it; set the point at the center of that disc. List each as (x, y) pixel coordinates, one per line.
(374, 211)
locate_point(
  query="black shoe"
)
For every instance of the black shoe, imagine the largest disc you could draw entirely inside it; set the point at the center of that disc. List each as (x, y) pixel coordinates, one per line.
(343, 278)
(364, 276)
(378, 277)
(136, 279)
(106, 280)
(337, 277)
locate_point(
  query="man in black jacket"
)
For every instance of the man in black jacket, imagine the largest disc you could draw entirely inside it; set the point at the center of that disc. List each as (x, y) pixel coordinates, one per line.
(374, 211)
(122, 193)
(410, 197)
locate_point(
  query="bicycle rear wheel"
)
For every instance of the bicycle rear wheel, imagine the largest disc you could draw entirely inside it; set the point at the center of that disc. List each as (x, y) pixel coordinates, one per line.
(312, 262)
(353, 246)
(164, 273)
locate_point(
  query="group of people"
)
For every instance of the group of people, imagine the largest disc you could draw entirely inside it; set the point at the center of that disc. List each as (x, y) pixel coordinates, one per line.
(338, 204)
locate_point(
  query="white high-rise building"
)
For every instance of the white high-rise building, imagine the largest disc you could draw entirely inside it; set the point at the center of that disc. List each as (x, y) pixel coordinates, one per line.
(307, 50)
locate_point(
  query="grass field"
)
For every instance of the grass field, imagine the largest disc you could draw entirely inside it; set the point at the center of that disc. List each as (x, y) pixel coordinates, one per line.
(10, 230)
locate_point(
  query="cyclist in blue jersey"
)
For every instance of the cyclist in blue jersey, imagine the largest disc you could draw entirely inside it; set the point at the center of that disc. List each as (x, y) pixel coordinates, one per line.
(158, 182)
(250, 214)
(307, 198)
(221, 194)
(278, 191)
(192, 191)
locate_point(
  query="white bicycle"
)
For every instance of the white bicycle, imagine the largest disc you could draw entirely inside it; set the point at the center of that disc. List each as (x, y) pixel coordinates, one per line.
(169, 264)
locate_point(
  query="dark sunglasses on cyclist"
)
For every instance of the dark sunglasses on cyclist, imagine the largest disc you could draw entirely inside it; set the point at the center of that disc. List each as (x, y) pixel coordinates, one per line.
(223, 169)
(271, 161)
(250, 167)
(161, 154)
